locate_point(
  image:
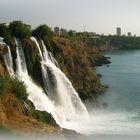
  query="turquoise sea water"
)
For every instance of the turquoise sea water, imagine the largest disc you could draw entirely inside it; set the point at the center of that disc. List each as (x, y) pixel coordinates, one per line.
(123, 78)
(121, 119)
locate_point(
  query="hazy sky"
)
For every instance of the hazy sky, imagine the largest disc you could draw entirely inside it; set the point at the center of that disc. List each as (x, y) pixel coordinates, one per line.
(101, 16)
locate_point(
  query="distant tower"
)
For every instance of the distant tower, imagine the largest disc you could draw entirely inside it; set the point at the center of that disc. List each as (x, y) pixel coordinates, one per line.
(57, 31)
(118, 30)
(129, 34)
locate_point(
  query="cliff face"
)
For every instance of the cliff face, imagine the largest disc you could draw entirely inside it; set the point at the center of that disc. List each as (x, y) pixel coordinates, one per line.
(77, 60)
(33, 60)
(2, 63)
(18, 114)
(18, 117)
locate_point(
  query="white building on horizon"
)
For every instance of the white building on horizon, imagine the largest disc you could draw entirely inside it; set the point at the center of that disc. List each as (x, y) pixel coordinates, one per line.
(118, 31)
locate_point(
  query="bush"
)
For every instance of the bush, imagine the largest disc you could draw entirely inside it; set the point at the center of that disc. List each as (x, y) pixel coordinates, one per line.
(13, 85)
(42, 32)
(5, 33)
(45, 117)
(3, 129)
(8, 39)
(3, 29)
(20, 30)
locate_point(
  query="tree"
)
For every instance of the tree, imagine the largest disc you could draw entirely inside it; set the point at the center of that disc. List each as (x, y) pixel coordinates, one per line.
(71, 33)
(43, 32)
(5, 33)
(3, 29)
(20, 30)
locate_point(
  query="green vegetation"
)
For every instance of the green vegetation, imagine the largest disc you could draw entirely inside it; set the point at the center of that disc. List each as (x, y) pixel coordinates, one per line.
(42, 116)
(45, 117)
(44, 33)
(20, 30)
(123, 42)
(115, 42)
(3, 129)
(13, 85)
(71, 33)
(5, 33)
(3, 29)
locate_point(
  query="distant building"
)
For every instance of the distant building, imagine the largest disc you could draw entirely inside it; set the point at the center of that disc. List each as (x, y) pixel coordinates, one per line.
(57, 31)
(118, 31)
(129, 34)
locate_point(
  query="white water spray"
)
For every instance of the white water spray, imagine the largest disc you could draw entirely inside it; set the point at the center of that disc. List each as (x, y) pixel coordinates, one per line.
(8, 61)
(60, 90)
(36, 94)
(63, 102)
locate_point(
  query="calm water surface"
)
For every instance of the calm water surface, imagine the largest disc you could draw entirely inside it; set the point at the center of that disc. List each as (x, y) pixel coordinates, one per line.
(123, 78)
(121, 119)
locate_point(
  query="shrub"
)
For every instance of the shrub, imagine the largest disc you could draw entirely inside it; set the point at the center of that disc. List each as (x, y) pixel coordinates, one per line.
(5, 33)
(8, 39)
(13, 85)
(42, 32)
(3, 129)
(45, 117)
(45, 33)
(3, 29)
(20, 30)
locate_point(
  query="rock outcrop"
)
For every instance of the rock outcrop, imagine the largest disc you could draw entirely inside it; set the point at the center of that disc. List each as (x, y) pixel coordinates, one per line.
(21, 118)
(3, 70)
(77, 61)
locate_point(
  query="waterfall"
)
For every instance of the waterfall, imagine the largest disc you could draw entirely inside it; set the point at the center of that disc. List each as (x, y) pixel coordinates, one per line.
(21, 62)
(60, 89)
(36, 94)
(62, 101)
(8, 61)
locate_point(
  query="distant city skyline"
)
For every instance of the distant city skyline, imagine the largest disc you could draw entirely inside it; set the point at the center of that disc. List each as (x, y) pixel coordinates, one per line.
(100, 16)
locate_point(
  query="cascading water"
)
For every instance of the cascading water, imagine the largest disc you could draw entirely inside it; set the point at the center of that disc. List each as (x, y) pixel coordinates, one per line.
(60, 90)
(7, 57)
(63, 102)
(20, 61)
(8, 61)
(36, 94)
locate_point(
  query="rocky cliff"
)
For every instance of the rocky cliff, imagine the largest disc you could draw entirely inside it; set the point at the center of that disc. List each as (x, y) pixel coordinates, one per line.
(2, 63)
(76, 60)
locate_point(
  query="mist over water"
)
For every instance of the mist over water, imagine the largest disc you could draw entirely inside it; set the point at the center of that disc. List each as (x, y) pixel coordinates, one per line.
(122, 116)
(123, 78)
